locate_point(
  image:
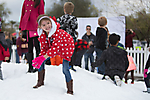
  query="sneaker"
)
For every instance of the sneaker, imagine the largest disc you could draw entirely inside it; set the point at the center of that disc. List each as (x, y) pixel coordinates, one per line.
(148, 90)
(118, 80)
(109, 79)
(71, 67)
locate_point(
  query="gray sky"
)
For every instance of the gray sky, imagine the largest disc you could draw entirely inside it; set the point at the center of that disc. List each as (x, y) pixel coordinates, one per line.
(16, 5)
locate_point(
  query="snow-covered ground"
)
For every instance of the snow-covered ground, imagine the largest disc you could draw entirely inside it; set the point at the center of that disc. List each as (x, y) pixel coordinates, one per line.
(17, 85)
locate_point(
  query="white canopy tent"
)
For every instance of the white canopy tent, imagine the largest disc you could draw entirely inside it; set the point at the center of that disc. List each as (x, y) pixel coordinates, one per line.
(114, 24)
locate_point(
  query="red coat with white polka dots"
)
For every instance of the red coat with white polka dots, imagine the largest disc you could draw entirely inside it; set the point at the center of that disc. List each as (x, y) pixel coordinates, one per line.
(62, 44)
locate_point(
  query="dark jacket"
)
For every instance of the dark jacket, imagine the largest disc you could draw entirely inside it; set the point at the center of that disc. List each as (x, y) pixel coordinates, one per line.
(3, 41)
(88, 39)
(101, 38)
(9, 43)
(69, 24)
(116, 61)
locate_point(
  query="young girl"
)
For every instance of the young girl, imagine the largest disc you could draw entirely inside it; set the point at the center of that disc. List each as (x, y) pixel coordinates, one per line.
(54, 41)
(131, 69)
(31, 9)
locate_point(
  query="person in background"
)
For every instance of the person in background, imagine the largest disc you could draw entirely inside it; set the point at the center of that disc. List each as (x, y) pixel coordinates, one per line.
(80, 48)
(4, 50)
(129, 37)
(101, 41)
(31, 9)
(131, 69)
(108, 34)
(69, 23)
(22, 46)
(9, 43)
(14, 39)
(115, 59)
(147, 74)
(89, 37)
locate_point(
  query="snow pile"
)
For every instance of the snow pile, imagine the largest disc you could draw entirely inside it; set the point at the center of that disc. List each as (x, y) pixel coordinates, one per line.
(17, 85)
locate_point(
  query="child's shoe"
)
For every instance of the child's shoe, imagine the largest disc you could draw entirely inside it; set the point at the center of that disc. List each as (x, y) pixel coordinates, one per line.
(109, 79)
(126, 82)
(148, 90)
(118, 80)
(132, 82)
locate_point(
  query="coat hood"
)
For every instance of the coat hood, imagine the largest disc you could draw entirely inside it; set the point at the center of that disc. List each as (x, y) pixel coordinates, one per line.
(55, 26)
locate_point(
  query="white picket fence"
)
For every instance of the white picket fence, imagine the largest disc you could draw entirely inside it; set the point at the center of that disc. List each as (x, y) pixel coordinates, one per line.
(140, 57)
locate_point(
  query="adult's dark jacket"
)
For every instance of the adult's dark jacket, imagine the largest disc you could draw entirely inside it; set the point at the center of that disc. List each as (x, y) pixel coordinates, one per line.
(3, 41)
(88, 39)
(116, 61)
(9, 43)
(101, 38)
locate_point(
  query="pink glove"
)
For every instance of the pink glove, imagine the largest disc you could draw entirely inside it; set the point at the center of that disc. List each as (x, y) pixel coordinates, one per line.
(37, 62)
(145, 73)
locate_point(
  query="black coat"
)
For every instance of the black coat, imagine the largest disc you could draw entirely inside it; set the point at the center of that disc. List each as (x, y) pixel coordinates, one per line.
(88, 39)
(101, 38)
(116, 61)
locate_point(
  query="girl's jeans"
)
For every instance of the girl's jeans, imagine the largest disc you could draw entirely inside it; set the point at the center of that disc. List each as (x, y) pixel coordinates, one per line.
(66, 71)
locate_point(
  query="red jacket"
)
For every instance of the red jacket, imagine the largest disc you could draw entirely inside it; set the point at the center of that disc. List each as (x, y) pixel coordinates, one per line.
(3, 53)
(57, 43)
(29, 15)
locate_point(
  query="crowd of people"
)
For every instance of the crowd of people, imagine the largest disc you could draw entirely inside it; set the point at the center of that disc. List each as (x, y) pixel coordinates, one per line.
(58, 44)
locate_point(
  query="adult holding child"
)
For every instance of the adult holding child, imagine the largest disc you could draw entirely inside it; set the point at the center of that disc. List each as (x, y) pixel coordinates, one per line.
(31, 9)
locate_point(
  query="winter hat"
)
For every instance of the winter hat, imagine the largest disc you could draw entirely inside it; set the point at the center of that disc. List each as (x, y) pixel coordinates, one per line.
(54, 26)
(0, 24)
(13, 34)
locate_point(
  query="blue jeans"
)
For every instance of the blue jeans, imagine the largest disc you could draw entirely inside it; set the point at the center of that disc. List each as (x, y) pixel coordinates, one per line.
(66, 71)
(17, 57)
(86, 57)
(43, 65)
(101, 68)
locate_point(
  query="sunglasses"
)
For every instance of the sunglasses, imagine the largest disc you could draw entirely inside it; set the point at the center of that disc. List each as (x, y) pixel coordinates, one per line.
(88, 29)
